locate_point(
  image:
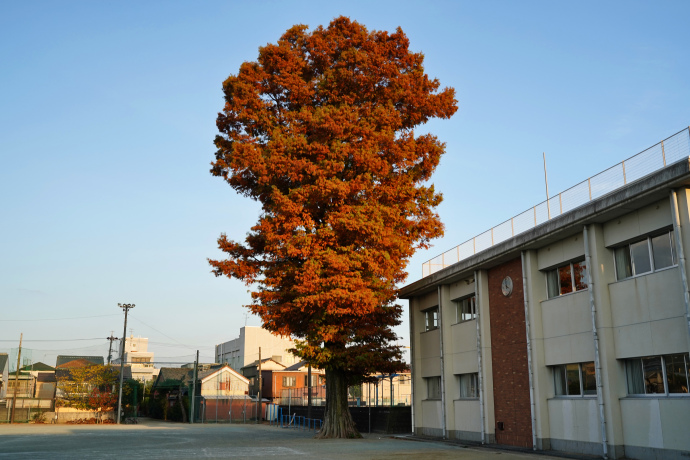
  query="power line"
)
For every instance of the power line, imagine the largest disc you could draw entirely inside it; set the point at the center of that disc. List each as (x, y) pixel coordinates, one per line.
(162, 333)
(56, 319)
(52, 340)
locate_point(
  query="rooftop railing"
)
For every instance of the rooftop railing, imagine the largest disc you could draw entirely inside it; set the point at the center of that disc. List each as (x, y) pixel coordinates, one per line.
(666, 152)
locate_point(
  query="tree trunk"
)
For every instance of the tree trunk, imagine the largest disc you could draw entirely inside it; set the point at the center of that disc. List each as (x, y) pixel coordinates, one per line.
(337, 422)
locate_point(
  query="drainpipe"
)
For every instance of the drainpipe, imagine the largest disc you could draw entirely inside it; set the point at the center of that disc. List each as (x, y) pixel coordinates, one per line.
(529, 353)
(480, 378)
(597, 357)
(412, 374)
(443, 373)
(681, 255)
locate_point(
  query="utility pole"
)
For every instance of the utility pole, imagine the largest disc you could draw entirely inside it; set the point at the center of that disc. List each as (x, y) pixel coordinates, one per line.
(16, 377)
(193, 396)
(258, 413)
(110, 348)
(309, 391)
(125, 307)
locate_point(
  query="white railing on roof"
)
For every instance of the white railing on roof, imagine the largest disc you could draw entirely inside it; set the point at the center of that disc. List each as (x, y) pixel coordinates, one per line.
(666, 152)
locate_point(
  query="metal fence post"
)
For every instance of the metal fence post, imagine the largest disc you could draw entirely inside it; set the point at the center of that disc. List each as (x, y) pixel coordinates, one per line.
(663, 154)
(589, 185)
(624, 179)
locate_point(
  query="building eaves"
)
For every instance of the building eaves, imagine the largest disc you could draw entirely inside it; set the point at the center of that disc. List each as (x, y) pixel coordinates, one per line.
(646, 190)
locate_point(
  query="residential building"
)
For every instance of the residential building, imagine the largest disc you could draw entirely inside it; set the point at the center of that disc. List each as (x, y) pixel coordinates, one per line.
(216, 387)
(388, 390)
(139, 363)
(244, 350)
(291, 385)
(251, 372)
(35, 386)
(566, 327)
(4, 372)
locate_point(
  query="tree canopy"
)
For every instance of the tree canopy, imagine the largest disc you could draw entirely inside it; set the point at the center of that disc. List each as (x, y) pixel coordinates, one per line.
(320, 131)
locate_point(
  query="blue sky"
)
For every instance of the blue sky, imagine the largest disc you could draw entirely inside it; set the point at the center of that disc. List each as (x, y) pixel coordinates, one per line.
(107, 119)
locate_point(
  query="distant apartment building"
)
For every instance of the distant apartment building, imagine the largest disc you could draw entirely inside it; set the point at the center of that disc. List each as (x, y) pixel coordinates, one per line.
(244, 350)
(139, 363)
(566, 327)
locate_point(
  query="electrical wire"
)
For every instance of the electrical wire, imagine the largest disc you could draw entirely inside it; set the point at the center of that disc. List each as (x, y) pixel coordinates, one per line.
(59, 319)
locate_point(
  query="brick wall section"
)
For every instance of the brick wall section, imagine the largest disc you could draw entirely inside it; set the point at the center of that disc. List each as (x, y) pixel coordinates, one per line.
(509, 357)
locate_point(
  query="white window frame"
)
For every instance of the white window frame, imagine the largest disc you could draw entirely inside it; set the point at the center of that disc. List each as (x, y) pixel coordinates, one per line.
(474, 376)
(431, 382)
(581, 377)
(473, 307)
(664, 378)
(650, 250)
(429, 313)
(289, 379)
(572, 278)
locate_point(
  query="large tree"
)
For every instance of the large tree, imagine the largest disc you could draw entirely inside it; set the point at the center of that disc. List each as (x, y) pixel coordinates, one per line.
(320, 131)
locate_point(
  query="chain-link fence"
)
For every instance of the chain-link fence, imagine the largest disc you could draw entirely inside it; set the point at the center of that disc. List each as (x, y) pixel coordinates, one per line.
(666, 152)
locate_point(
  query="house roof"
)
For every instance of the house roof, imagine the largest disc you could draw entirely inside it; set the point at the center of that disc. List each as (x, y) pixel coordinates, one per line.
(65, 361)
(302, 366)
(205, 375)
(271, 364)
(3, 362)
(172, 377)
(38, 367)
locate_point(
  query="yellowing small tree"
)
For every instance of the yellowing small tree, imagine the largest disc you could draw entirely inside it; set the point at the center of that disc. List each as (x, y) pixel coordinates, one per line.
(320, 131)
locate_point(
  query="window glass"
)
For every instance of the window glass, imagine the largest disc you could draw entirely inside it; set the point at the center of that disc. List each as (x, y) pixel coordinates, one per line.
(580, 275)
(662, 251)
(640, 257)
(559, 380)
(565, 280)
(433, 387)
(289, 381)
(653, 376)
(623, 262)
(465, 309)
(589, 379)
(468, 385)
(633, 370)
(552, 283)
(676, 373)
(431, 319)
(572, 372)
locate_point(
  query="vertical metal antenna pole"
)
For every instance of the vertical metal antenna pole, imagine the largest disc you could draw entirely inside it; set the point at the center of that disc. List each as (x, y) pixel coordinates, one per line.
(546, 181)
(125, 307)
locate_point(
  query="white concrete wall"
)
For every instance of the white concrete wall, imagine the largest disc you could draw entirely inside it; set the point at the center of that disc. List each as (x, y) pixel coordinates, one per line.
(567, 329)
(466, 415)
(661, 423)
(638, 223)
(574, 419)
(646, 312)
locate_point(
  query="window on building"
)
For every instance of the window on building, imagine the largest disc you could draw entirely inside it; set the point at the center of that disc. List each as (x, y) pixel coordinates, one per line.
(468, 385)
(289, 381)
(431, 319)
(314, 380)
(645, 256)
(575, 379)
(567, 278)
(667, 374)
(433, 387)
(465, 309)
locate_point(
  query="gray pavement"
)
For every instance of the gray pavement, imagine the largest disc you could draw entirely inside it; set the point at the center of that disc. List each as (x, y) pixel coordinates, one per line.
(160, 440)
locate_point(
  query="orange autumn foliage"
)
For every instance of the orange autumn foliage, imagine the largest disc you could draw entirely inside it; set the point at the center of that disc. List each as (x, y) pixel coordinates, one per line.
(320, 131)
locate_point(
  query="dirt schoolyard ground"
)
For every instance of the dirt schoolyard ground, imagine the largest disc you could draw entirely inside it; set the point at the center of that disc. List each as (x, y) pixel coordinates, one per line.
(161, 440)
